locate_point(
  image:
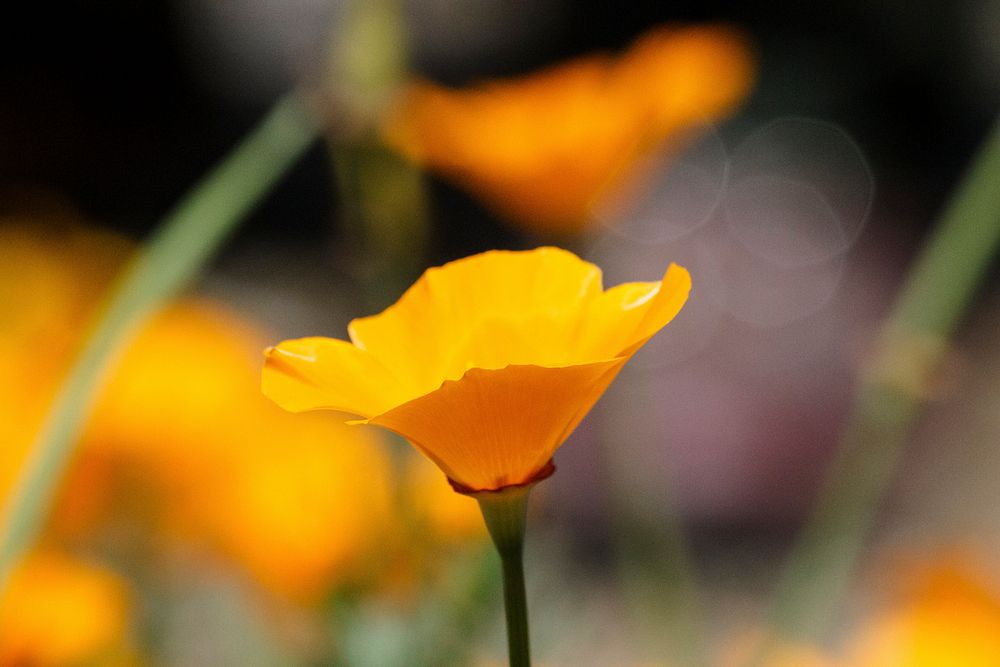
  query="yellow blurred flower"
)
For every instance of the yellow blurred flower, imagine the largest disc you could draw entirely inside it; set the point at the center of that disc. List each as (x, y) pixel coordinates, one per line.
(227, 468)
(52, 276)
(57, 611)
(951, 618)
(450, 517)
(181, 438)
(485, 364)
(542, 149)
(292, 508)
(179, 400)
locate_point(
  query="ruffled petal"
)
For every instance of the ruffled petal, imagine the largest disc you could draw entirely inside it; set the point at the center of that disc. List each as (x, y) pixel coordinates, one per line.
(326, 373)
(493, 428)
(624, 317)
(663, 307)
(418, 335)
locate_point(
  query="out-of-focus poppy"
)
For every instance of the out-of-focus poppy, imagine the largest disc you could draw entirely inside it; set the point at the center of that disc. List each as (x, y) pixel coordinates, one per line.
(950, 617)
(51, 280)
(226, 468)
(58, 612)
(542, 149)
(180, 438)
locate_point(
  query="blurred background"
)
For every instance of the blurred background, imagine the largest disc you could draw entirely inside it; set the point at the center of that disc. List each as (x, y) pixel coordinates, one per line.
(792, 159)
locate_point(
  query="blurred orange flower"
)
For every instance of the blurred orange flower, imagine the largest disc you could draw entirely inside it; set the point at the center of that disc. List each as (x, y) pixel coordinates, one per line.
(293, 510)
(951, 618)
(542, 149)
(176, 404)
(181, 438)
(51, 278)
(60, 612)
(485, 364)
(182, 415)
(448, 516)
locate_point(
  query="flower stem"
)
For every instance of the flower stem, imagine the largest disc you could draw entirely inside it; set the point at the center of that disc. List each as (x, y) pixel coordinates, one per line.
(914, 341)
(505, 512)
(516, 607)
(177, 250)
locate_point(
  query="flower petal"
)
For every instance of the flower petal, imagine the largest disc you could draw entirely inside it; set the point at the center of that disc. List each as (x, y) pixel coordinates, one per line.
(418, 335)
(663, 307)
(326, 373)
(624, 317)
(538, 148)
(498, 427)
(687, 76)
(542, 149)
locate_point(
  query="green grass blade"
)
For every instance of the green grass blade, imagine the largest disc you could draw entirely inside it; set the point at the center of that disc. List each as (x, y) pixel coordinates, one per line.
(183, 243)
(937, 294)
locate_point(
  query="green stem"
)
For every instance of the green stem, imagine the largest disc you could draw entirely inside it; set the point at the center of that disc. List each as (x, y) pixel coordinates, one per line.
(505, 512)
(931, 305)
(180, 247)
(516, 607)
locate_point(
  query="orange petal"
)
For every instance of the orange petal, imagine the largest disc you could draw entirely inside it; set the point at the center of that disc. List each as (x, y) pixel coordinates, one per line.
(688, 75)
(671, 297)
(624, 317)
(493, 428)
(543, 148)
(419, 334)
(326, 373)
(537, 148)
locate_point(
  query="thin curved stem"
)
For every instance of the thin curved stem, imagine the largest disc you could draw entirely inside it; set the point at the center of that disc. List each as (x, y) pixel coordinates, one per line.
(179, 248)
(937, 295)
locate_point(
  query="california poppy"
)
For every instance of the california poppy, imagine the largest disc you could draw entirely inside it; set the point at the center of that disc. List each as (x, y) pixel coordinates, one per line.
(485, 364)
(542, 149)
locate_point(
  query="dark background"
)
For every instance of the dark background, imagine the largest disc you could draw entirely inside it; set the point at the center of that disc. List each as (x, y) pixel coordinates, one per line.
(110, 104)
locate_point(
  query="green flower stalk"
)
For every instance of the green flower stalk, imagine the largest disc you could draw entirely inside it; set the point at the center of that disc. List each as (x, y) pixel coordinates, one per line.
(505, 512)
(893, 387)
(178, 249)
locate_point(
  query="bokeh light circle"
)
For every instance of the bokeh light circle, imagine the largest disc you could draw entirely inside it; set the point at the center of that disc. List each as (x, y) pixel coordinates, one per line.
(799, 192)
(764, 295)
(671, 193)
(624, 260)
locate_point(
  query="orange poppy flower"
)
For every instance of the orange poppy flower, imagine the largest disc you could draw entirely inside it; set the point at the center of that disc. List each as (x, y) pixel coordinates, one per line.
(485, 364)
(543, 148)
(52, 276)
